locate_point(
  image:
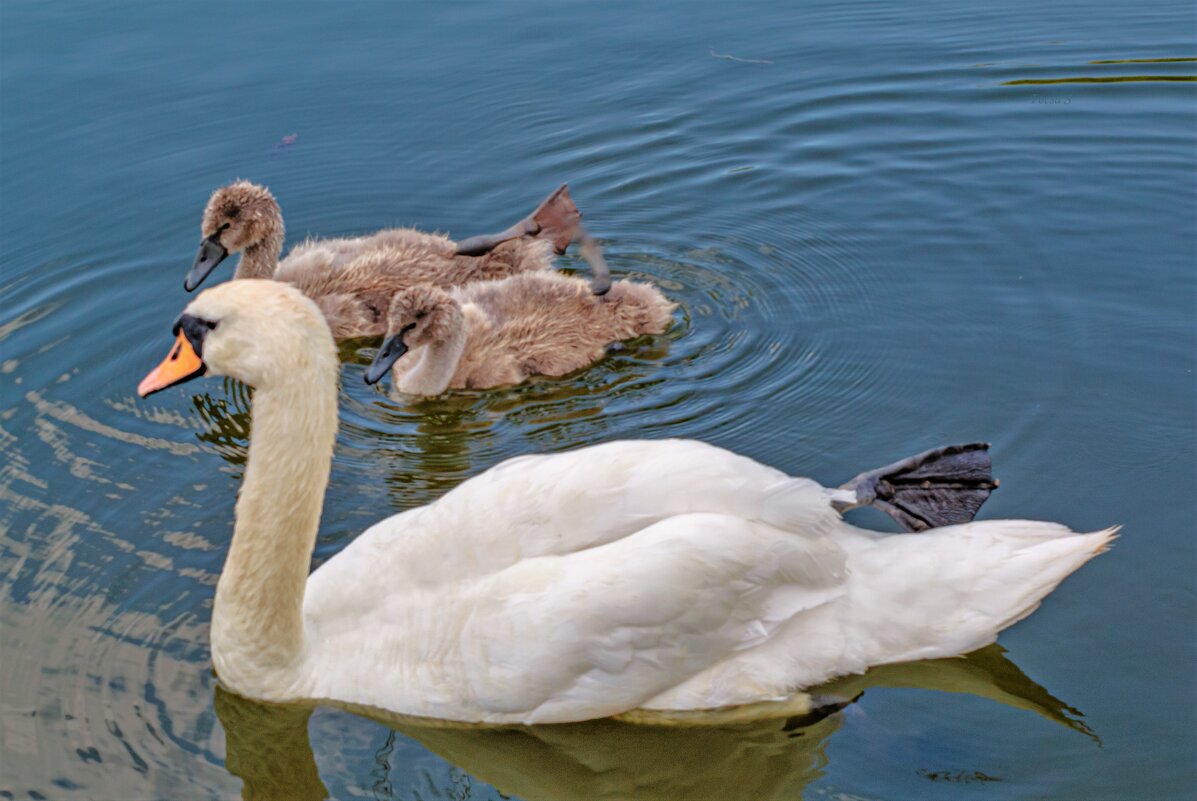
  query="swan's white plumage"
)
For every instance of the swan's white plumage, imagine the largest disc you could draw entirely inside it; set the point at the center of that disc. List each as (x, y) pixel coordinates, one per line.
(653, 574)
(662, 575)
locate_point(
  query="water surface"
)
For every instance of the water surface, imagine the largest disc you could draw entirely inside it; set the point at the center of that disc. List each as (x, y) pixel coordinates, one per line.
(888, 228)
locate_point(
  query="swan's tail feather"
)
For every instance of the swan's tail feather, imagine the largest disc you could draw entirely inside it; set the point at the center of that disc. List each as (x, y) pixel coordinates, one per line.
(1109, 535)
(939, 487)
(985, 577)
(1071, 552)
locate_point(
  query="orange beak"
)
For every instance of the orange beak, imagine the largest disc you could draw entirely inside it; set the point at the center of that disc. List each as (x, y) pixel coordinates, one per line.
(180, 365)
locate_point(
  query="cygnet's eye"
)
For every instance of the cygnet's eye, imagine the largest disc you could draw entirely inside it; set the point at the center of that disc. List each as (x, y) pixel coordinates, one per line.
(421, 315)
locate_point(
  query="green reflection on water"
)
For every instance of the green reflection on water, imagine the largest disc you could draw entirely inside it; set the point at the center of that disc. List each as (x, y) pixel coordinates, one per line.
(1111, 79)
(1140, 60)
(269, 749)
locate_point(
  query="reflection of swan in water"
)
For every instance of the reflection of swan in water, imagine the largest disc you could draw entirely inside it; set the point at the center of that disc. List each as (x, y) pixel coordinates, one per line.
(226, 422)
(268, 745)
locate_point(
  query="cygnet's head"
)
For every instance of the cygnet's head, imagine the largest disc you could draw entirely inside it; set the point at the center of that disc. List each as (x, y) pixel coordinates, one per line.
(237, 217)
(261, 332)
(419, 315)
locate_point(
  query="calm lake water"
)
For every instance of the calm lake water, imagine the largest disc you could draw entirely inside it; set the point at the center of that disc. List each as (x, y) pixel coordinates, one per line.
(883, 234)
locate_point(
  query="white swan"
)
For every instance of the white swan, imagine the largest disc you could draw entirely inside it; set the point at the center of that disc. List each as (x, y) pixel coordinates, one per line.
(667, 575)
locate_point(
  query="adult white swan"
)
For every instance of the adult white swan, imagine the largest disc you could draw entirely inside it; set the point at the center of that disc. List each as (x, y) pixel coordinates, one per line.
(667, 575)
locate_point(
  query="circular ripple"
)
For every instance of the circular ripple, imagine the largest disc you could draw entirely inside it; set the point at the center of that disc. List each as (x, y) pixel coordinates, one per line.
(755, 330)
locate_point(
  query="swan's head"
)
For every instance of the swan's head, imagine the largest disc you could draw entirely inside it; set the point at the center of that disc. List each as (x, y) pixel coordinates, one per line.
(419, 315)
(238, 216)
(264, 333)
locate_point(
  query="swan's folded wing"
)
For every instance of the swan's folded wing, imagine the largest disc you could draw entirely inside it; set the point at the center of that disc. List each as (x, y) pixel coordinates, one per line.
(543, 505)
(603, 631)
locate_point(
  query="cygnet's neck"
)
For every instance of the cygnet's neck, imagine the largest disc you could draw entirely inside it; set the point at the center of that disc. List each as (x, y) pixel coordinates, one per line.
(437, 363)
(260, 259)
(257, 620)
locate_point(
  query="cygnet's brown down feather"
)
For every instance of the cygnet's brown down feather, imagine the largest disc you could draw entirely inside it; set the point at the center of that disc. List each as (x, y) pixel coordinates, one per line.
(352, 279)
(354, 294)
(501, 332)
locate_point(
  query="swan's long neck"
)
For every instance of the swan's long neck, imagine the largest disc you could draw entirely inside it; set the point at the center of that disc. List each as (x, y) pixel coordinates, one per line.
(438, 362)
(260, 260)
(257, 620)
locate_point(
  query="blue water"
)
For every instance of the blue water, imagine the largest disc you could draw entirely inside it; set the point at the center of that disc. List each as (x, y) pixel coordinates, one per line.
(877, 245)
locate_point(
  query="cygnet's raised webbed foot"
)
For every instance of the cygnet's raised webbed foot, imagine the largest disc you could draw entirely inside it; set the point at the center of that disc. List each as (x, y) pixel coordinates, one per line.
(555, 220)
(939, 487)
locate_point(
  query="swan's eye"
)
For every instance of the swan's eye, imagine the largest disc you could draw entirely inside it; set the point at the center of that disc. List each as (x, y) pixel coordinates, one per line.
(211, 324)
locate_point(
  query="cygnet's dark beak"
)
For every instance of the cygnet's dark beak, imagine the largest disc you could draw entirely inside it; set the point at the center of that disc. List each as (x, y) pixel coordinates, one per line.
(211, 253)
(387, 355)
